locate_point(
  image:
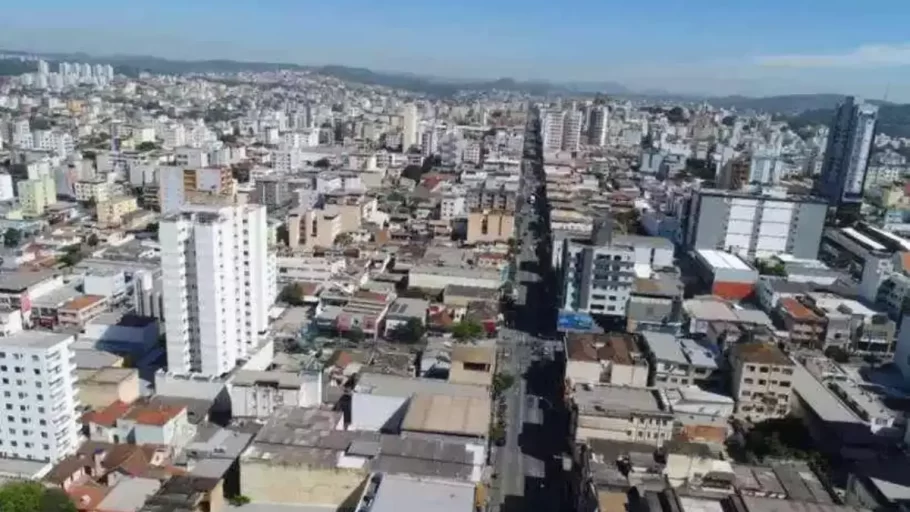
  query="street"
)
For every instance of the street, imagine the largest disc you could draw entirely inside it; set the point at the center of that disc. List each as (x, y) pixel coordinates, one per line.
(527, 465)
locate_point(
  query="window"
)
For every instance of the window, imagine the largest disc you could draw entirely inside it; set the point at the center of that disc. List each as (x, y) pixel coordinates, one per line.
(762, 382)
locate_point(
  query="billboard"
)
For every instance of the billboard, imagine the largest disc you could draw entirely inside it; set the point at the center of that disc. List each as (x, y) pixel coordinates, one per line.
(574, 321)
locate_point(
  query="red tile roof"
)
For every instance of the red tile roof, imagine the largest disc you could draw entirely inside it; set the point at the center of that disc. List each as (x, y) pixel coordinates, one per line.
(797, 310)
(109, 415)
(158, 415)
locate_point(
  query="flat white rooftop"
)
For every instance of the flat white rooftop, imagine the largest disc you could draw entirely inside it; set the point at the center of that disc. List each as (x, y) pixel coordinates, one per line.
(720, 259)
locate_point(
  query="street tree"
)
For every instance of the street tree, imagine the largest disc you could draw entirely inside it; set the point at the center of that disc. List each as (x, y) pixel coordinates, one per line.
(33, 497)
(409, 332)
(12, 237)
(292, 294)
(467, 329)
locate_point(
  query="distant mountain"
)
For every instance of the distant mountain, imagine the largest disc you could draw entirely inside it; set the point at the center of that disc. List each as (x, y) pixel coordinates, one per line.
(799, 109)
(788, 104)
(893, 120)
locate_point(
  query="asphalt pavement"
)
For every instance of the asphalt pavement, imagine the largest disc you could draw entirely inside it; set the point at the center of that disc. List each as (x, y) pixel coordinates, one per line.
(523, 464)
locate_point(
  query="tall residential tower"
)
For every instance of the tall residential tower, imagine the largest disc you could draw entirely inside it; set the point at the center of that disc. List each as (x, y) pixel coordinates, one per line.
(850, 138)
(218, 285)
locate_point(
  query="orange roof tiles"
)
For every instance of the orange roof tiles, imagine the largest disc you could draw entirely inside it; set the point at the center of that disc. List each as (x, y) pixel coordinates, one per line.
(87, 496)
(80, 303)
(154, 414)
(905, 261)
(109, 415)
(797, 310)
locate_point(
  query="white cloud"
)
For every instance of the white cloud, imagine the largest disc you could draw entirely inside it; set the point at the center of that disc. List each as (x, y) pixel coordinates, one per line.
(866, 56)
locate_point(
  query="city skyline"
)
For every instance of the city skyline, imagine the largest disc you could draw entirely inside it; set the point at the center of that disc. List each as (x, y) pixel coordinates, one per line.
(665, 45)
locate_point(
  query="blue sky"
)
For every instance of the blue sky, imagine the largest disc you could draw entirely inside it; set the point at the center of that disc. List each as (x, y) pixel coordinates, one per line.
(697, 46)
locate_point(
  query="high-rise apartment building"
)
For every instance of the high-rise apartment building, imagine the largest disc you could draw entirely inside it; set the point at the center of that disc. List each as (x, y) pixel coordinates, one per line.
(561, 130)
(38, 396)
(598, 124)
(571, 135)
(552, 128)
(217, 274)
(755, 225)
(409, 125)
(846, 160)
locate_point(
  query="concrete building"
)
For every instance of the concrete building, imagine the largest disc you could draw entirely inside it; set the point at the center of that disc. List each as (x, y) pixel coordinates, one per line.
(620, 413)
(98, 388)
(111, 213)
(571, 136)
(846, 160)
(38, 396)
(35, 195)
(613, 358)
(756, 225)
(485, 226)
(219, 282)
(258, 394)
(598, 274)
(97, 190)
(761, 381)
(598, 126)
(677, 362)
(730, 277)
(410, 121)
(179, 185)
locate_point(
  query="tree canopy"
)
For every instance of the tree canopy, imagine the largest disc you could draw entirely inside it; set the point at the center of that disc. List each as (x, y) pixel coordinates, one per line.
(467, 330)
(33, 497)
(293, 294)
(409, 332)
(147, 146)
(12, 237)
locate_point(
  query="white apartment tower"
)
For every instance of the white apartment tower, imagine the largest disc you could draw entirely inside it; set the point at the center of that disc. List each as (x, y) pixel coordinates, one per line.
(598, 124)
(409, 126)
(571, 136)
(216, 275)
(552, 128)
(561, 130)
(38, 396)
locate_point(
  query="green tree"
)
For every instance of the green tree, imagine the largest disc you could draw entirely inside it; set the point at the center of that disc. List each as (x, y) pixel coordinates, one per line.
(293, 294)
(282, 235)
(92, 240)
(33, 497)
(322, 163)
(409, 332)
(356, 334)
(72, 256)
(497, 434)
(12, 237)
(147, 146)
(837, 354)
(467, 330)
(502, 382)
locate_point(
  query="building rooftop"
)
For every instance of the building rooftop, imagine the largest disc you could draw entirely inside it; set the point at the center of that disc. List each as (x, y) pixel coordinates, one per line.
(761, 353)
(35, 339)
(410, 308)
(20, 281)
(721, 259)
(619, 348)
(448, 415)
(797, 310)
(83, 302)
(394, 385)
(123, 320)
(312, 437)
(665, 347)
(613, 401)
(401, 493)
(277, 379)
